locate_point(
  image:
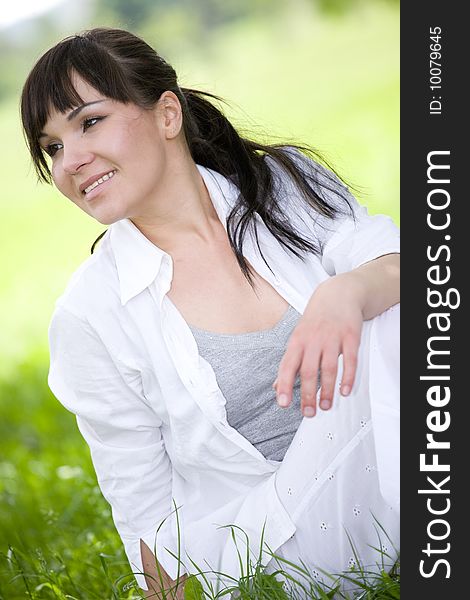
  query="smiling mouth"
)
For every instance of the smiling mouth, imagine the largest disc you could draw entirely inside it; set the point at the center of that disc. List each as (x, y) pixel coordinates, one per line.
(98, 182)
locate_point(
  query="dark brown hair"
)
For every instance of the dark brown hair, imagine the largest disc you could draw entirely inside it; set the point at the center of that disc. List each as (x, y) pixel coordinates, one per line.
(123, 67)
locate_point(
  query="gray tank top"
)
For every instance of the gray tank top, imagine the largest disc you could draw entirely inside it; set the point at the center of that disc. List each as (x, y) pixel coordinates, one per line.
(245, 366)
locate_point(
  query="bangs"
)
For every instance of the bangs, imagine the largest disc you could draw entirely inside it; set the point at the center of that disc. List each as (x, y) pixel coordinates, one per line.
(50, 87)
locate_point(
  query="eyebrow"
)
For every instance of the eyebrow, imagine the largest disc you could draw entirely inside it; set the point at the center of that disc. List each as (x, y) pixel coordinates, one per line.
(74, 113)
(77, 110)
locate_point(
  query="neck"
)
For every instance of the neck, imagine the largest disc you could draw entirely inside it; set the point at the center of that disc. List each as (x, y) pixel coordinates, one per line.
(186, 214)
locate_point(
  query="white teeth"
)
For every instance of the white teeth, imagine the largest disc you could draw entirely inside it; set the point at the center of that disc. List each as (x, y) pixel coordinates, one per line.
(98, 181)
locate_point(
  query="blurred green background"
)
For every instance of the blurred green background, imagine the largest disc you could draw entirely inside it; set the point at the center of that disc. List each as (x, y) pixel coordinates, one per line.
(324, 72)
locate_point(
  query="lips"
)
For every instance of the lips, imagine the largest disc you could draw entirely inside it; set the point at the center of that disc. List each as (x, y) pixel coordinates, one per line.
(95, 180)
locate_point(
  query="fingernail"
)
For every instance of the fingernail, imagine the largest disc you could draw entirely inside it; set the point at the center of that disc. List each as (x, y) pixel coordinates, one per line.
(309, 411)
(325, 404)
(283, 400)
(345, 389)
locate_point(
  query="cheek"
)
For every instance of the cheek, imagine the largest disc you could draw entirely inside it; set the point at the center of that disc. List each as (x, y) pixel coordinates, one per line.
(61, 181)
(57, 177)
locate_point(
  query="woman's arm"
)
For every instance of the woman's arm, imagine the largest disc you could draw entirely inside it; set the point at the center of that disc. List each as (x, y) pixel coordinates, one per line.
(377, 284)
(331, 325)
(124, 436)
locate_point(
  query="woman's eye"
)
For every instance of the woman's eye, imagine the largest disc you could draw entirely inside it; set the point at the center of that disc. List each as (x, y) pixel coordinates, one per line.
(87, 123)
(51, 149)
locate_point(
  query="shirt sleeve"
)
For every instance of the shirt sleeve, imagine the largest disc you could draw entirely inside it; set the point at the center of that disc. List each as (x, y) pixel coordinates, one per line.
(354, 237)
(358, 240)
(124, 436)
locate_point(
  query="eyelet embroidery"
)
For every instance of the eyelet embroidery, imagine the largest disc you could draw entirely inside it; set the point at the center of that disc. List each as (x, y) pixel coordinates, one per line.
(352, 563)
(356, 510)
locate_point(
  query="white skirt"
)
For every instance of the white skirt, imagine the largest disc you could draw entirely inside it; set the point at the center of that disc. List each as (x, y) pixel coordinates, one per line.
(339, 479)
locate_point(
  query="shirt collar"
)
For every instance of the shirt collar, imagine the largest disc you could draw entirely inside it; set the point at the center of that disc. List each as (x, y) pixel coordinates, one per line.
(138, 260)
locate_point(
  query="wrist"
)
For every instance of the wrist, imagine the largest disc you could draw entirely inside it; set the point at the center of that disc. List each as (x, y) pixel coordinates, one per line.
(351, 286)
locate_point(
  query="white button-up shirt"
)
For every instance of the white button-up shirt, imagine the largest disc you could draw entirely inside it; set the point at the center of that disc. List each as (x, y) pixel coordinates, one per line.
(124, 361)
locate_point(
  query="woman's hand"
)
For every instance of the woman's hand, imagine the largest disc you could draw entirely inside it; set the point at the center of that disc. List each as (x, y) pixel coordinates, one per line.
(331, 325)
(160, 584)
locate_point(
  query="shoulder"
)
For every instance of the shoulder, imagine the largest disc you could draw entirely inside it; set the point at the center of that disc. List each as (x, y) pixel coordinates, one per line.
(84, 329)
(313, 180)
(309, 167)
(313, 199)
(94, 287)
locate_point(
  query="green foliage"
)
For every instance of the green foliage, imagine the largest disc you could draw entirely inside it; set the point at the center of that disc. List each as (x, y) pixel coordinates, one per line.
(338, 7)
(55, 527)
(193, 589)
(207, 14)
(56, 533)
(132, 12)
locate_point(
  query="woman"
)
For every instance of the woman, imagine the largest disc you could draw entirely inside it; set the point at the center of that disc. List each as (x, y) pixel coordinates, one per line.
(226, 265)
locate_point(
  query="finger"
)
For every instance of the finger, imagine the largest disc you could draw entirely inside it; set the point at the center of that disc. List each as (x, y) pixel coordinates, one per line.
(350, 350)
(309, 383)
(288, 369)
(329, 369)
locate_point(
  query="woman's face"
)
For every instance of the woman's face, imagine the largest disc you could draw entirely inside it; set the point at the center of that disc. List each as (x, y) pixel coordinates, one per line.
(109, 158)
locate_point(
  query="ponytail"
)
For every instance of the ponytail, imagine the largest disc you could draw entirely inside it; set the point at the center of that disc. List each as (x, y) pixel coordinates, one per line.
(215, 143)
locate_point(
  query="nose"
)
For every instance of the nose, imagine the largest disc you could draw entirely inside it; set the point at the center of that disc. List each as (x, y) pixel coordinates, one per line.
(74, 158)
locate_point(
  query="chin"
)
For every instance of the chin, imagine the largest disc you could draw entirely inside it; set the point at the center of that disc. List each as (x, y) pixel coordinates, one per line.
(107, 219)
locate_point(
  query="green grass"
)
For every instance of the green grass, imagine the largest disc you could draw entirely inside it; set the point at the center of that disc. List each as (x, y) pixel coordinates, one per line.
(329, 83)
(57, 539)
(53, 515)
